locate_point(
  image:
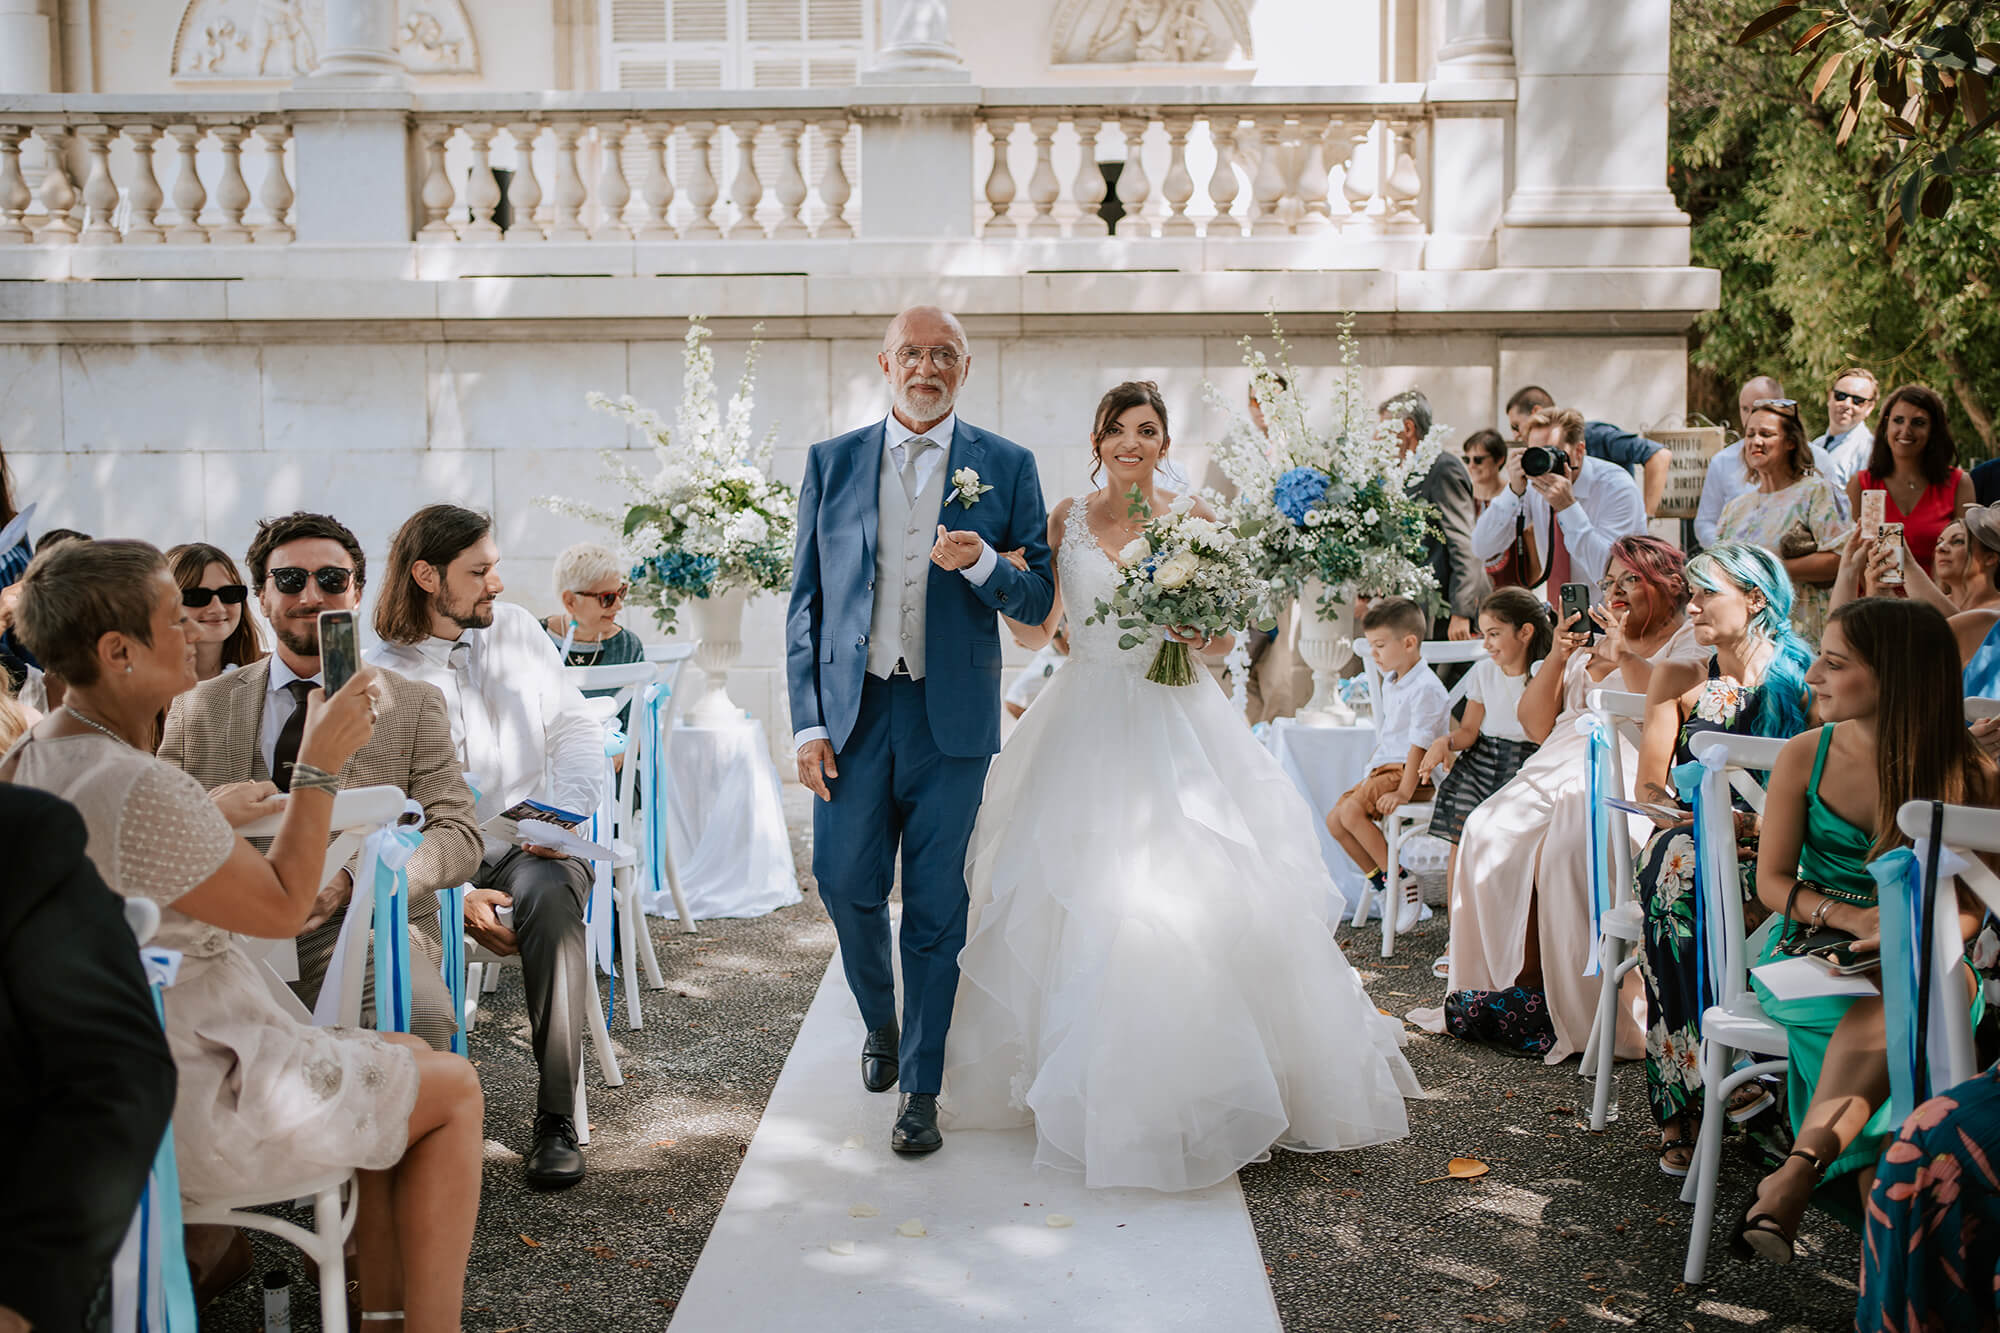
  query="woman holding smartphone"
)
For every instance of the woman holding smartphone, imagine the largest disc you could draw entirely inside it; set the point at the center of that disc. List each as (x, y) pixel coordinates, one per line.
(1754, 685)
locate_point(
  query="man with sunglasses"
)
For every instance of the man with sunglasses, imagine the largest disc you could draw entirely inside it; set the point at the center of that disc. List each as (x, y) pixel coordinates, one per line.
(244, 727)
(1848, 441)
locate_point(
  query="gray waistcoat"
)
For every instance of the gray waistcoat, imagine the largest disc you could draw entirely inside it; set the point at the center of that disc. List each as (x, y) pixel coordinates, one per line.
(904, 536)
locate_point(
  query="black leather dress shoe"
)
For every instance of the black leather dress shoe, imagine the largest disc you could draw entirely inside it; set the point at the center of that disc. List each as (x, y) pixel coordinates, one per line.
(878, 1059)
(555, 1163)
(916, 1130)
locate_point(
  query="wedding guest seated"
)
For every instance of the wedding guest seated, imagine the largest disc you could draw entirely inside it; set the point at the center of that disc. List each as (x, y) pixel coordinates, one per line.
(1893, 731)
(1866, 564)
(1520, 906)
(1567, 517)
(240, 732)
(1789, 508)
(1415, 710)
(1614, 444)
(1488, 741)
(1930, 1250)
(592, 584)
(262, 1100)
(1916, 462)
(521, 732)
(214, 591)
(1965, 569)
(90, 1082)
(1754, 685)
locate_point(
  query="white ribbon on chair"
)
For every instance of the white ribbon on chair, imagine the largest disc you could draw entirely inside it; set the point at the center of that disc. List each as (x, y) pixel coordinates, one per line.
(385, 857)
(150, 1288)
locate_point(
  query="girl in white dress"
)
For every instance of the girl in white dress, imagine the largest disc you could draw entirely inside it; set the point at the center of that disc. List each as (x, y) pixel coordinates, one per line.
(1149, 972)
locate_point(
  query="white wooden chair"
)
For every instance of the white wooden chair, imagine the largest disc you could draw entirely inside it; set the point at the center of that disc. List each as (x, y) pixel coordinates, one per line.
(1968, 832)
(1624, 924)
(357, 813)
(1412, 818)
(1736, 1022)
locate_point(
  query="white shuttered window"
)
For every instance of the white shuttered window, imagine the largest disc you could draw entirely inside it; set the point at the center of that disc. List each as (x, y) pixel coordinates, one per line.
(695, 45)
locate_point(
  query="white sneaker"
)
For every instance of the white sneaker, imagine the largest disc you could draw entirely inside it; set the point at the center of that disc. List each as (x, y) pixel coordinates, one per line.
(1412, 909)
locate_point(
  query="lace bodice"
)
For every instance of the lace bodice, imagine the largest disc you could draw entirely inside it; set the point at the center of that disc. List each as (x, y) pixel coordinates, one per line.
(1088, 576)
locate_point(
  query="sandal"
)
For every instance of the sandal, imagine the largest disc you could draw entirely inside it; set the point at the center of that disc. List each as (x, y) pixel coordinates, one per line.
(1758, 1235)
(1749, 1101)
(1676, 1154)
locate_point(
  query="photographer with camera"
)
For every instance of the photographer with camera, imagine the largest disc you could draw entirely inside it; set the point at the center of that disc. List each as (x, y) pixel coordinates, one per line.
(1560, 510)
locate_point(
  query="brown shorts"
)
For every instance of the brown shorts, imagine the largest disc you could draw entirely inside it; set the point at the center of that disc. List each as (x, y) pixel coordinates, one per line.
(1380, 782)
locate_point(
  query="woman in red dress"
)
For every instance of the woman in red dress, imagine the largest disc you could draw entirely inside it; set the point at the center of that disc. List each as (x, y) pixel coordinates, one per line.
(1915, 461)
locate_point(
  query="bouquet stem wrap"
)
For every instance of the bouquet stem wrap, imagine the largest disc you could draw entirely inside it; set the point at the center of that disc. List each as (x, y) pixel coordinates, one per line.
(1172, 665)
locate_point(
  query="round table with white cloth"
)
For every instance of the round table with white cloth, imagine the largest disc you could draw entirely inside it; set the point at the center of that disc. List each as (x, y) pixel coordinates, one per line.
(1323, 762)
(727, 819)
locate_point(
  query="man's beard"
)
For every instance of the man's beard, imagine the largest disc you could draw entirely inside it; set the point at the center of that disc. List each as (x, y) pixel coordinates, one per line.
(301, 636)
(472, 616)
(936, 410)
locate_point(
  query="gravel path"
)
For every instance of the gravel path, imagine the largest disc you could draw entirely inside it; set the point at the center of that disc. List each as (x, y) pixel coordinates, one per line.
(1569, 1230)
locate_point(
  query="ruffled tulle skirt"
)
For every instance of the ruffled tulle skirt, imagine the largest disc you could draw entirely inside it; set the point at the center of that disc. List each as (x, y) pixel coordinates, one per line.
(1149, 974)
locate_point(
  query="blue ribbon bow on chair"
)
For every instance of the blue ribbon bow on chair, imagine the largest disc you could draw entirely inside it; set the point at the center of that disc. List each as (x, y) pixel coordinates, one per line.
(383, 872)
(652, 789)
(1708, 949)
(1598, 823)
(150, 1288)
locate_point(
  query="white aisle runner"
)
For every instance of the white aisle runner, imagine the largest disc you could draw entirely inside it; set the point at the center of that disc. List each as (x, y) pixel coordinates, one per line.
(1131, 1260)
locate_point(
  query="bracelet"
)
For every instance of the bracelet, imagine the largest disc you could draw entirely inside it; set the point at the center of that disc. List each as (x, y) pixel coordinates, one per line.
(1819, 913)
(307, 777)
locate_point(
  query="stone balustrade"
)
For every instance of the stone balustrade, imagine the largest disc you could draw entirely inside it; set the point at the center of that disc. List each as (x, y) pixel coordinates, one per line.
(1318, 177)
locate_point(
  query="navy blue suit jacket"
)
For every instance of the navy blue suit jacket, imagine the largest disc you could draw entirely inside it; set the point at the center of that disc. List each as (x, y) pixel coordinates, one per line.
(833, 587)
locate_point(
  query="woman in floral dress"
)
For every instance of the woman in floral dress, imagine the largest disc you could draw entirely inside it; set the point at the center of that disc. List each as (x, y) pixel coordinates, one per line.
(1790, 509)
(1755, 686)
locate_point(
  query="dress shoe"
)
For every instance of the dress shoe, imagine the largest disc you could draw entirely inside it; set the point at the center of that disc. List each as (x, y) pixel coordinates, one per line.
(555, 1163)
(878, 1059)
(916, 1130)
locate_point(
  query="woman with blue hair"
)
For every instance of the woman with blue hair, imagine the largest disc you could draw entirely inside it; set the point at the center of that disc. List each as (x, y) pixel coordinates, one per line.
(1754, 685)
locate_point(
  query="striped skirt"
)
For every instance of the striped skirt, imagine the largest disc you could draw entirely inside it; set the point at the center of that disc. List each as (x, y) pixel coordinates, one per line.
(1476, 774)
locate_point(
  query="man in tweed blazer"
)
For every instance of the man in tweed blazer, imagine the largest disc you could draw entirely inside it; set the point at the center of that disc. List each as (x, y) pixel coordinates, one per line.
(228, 730)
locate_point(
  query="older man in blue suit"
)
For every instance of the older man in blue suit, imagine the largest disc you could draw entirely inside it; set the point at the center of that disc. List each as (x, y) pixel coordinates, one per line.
(892, 654)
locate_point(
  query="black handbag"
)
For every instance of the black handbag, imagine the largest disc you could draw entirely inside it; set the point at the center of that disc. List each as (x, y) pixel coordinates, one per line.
(1798, 942)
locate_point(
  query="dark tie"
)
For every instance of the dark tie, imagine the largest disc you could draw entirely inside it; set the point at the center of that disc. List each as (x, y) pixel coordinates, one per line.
(286, 752)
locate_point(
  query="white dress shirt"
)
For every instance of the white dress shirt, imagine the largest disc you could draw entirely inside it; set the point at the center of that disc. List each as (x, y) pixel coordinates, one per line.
(1416, 710)
(1839, 457)
(1728, 478)
(521, 729)
(278, 708)
(895, 442)
(1608, 506)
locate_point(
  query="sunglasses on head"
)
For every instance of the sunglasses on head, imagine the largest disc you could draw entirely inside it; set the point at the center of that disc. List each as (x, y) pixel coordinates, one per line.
(1775, 405)
(231, 594)
(607, 600)
(332, 579)
(1858, 399)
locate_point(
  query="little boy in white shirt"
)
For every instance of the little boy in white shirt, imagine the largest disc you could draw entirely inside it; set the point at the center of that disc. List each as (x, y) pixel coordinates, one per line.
(1415, 710)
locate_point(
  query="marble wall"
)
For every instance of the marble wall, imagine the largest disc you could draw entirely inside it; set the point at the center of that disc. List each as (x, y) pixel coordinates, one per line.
(182, 441)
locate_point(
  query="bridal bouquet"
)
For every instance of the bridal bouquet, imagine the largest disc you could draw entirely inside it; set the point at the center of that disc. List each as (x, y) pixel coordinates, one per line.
(1328, 503)
(711, 519)
(1181, 570)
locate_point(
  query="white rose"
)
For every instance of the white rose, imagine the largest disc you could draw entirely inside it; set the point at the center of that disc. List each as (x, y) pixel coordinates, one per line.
(964, 477)
(1200, 529)
(1182, 504)
(680, 511)
(1136, 550)
(1314, 518)
(1370, 518)
(1176, 570)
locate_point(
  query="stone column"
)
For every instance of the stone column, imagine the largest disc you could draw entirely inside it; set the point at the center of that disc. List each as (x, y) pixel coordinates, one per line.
(916, 45)
(1478, 40)
(360, 44)
(1590, 139)
(27, 48)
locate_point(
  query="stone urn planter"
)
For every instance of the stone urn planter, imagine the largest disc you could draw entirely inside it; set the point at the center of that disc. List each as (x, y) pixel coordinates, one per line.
(1324, 643)
(718, 627)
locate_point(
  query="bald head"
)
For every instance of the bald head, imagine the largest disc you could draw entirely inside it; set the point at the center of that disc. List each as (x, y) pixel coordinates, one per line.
(925, 359)
(1756, 390)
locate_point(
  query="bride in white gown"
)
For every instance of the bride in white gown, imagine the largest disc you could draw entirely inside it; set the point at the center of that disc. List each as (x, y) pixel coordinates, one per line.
(1149, 974)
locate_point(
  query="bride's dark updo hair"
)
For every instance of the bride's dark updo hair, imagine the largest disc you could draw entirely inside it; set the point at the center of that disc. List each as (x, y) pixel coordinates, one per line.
(1115, 404)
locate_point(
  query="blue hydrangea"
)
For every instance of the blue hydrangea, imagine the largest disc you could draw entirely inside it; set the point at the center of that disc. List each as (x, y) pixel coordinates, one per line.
(1297, 491)
(684, 571)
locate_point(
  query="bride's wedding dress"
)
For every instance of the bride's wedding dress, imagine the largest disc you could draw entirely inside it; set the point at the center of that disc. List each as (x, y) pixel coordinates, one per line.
(1148, 973)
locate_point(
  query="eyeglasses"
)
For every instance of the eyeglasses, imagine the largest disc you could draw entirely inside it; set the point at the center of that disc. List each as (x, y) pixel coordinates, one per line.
(1775, 405)
(1858, 399)
(332, 579)
(944, 358)
(1623, 584)
(231, 594)
(607, 600)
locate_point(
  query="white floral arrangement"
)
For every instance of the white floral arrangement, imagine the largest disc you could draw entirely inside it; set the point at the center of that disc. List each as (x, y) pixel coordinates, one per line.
(1327, 502)
(711, 519)
(1182, 571)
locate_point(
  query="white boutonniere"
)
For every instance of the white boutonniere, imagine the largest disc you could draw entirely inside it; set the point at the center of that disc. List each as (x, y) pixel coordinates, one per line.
(966, 487)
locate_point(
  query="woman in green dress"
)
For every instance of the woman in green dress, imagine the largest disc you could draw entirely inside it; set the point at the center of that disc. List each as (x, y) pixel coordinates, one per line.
(1887, 684)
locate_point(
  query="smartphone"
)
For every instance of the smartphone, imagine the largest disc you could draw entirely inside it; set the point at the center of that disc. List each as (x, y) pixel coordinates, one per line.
(1575, 600)
(1842, 959)
(1892, 537)
(339, 651)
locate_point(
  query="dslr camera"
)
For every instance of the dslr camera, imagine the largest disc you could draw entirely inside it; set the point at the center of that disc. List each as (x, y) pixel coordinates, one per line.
(1538, 460)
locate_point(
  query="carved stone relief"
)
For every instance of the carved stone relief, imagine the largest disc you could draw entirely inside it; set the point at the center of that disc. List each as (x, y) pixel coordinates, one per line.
(282, 39)
(1150, 32)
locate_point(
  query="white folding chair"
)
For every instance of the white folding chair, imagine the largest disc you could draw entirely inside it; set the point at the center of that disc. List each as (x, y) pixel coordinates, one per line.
(357, 813)
(672, 659)
(1735, 1023)
(1624, 924)
(1968, 831)
(1412, 818)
